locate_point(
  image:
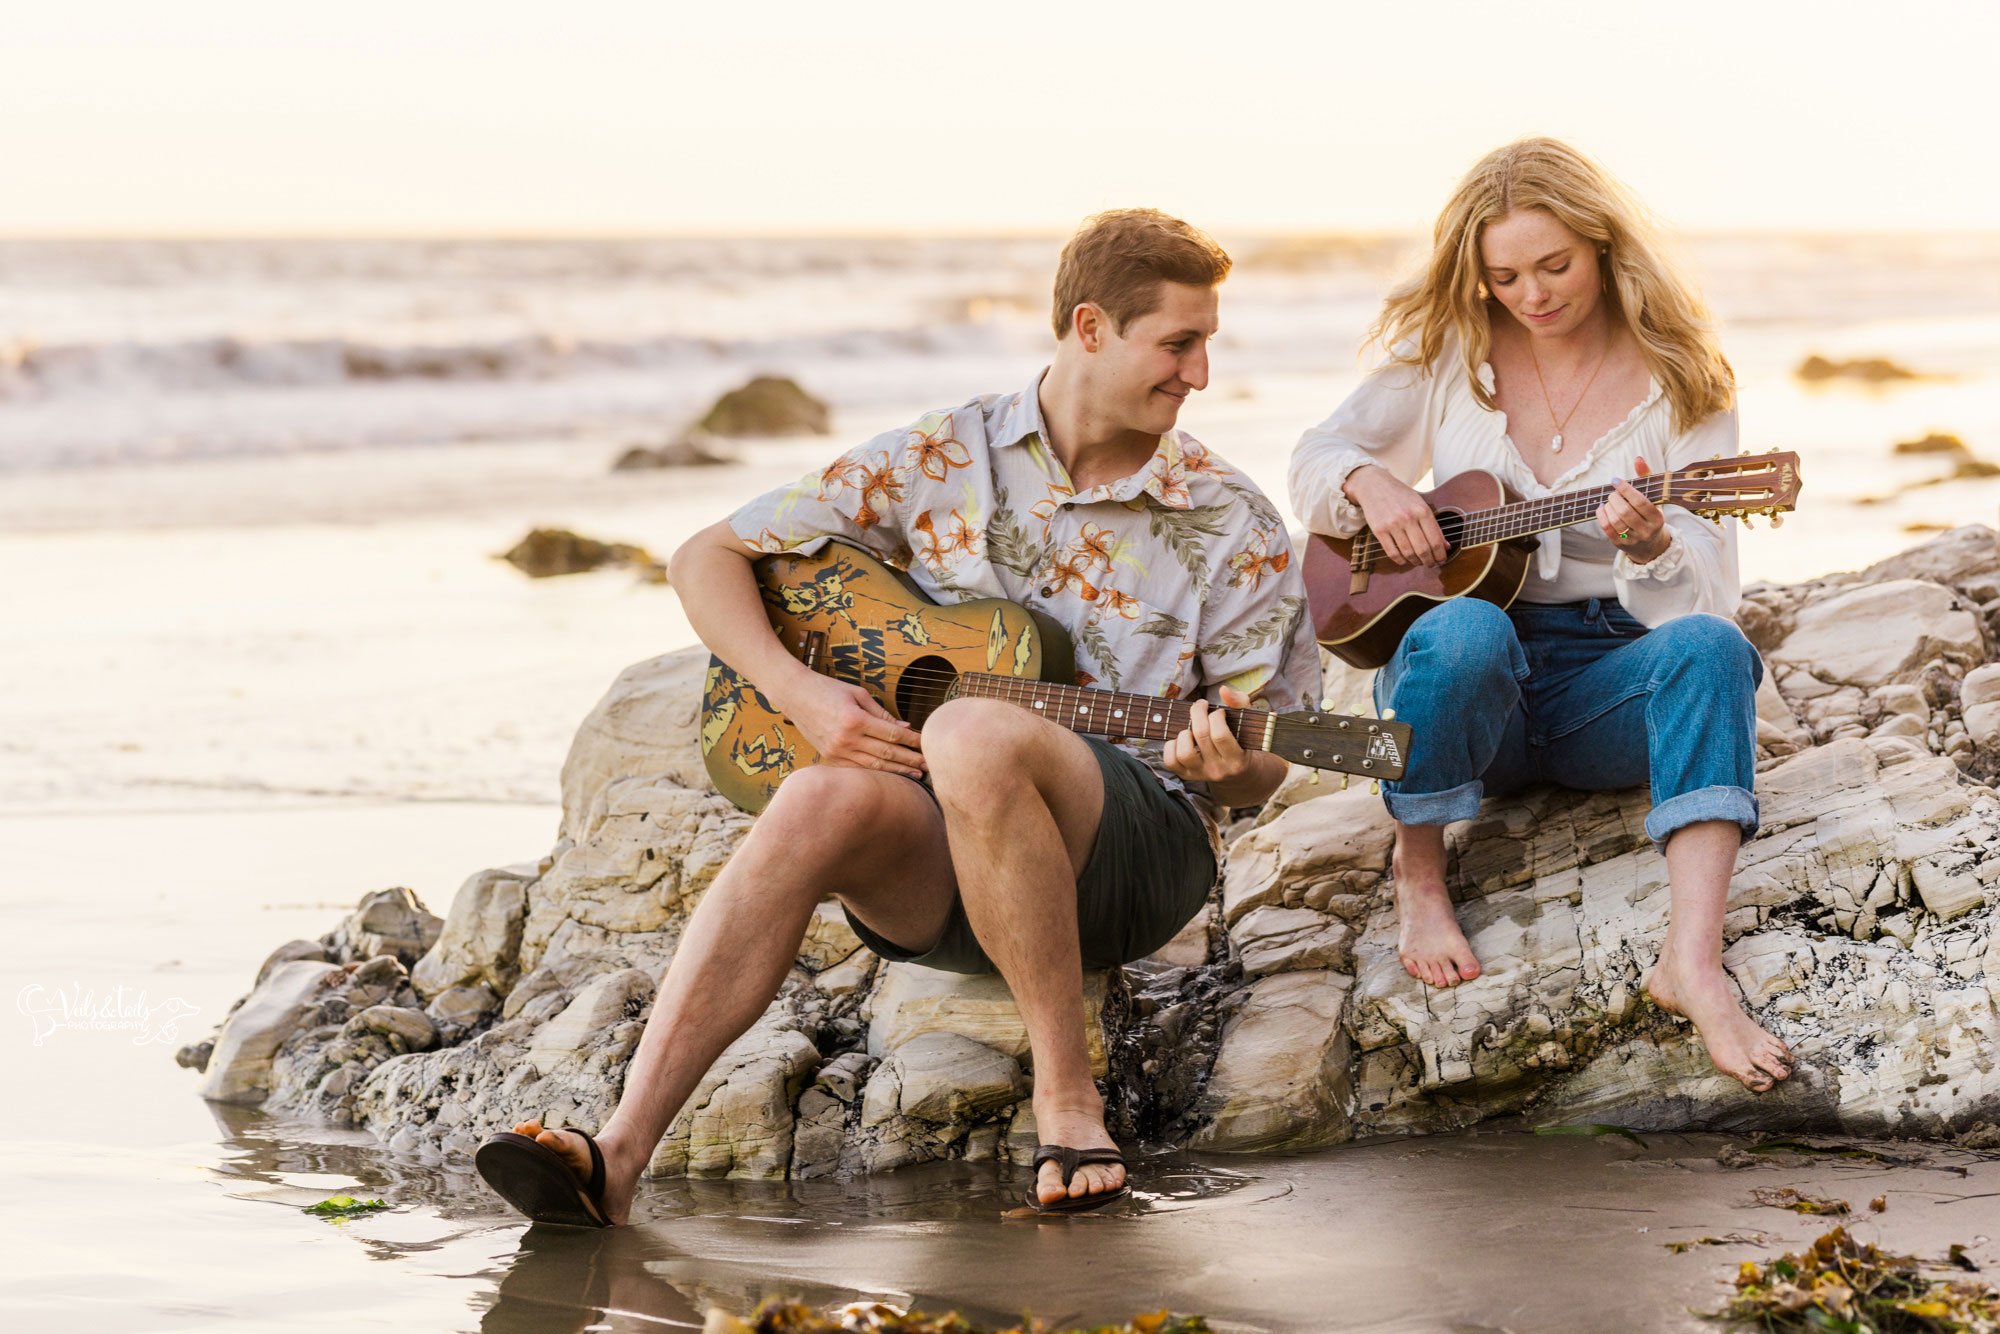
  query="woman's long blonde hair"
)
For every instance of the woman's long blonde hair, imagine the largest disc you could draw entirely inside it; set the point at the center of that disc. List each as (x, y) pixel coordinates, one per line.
(1664, 312)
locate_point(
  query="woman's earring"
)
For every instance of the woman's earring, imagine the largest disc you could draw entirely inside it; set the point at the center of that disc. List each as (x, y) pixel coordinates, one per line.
(1484, 295)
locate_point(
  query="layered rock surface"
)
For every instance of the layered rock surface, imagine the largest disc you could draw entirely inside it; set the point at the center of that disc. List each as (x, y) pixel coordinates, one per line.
(1861, 929)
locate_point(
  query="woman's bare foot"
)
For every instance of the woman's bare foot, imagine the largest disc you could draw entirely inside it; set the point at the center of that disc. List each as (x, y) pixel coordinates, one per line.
(1080, 1125)
(1735, 1042)
(1428, 939)
(621, 1177)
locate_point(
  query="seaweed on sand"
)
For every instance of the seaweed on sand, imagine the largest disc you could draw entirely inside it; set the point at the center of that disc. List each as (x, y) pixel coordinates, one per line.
(1846, 1286)
(785, 1317)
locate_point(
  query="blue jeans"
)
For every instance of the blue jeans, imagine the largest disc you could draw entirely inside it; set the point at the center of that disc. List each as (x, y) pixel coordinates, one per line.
(1575, 693)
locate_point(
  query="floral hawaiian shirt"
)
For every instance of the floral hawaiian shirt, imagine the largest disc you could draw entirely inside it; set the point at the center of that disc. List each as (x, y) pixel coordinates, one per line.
(1172, 581)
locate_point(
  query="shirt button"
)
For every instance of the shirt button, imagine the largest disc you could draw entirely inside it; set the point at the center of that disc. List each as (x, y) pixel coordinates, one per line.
(1048, 590)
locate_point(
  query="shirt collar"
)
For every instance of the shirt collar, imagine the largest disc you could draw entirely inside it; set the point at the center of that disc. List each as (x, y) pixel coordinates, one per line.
(1164, 476)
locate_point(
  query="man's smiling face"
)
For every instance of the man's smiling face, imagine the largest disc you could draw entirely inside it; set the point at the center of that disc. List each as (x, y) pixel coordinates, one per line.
(1146, 373)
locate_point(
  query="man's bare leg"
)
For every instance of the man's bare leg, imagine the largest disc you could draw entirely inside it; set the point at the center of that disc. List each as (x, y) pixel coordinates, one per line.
(1429, 940)
(1022, 798)
(875, 839)
(1689, 978)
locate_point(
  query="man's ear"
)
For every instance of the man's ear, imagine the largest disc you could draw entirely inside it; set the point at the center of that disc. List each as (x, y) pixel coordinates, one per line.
(1088, 323)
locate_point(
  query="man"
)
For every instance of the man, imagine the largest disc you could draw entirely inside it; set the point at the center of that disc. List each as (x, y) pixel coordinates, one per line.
(1027, 848)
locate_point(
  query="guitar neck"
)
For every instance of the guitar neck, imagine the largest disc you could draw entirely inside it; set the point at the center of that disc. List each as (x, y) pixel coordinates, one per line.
(1523, 518)
(1111, 712)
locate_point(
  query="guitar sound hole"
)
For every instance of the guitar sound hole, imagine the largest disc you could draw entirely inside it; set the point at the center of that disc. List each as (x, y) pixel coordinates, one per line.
(922, 687)
(1452, 524)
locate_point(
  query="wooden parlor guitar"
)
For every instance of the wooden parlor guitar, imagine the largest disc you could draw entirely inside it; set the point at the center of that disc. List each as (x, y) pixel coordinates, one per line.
(853, 618)
(1362, 601)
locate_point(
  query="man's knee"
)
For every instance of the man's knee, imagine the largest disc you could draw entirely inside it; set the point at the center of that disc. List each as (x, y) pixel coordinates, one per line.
(831, 808)
(978, 739)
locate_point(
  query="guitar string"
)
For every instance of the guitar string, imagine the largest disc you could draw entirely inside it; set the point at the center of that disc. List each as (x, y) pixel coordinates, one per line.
(1246, 724)
(1560, 511)
(1483, 526)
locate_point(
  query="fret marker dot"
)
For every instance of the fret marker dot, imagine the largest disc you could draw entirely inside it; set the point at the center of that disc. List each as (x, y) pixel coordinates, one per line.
(1118, 713)
(1156, 717)
(1038, 704)
(1083, 708)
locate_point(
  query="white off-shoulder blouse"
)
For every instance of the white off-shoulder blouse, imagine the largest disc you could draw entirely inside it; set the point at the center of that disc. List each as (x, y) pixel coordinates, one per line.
(1411, 420)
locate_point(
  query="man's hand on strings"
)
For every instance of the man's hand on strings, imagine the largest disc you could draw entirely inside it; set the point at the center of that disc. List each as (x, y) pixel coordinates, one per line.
(846, 726)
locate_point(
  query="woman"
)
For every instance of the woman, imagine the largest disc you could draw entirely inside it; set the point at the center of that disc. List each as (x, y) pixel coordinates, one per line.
(1548, 342)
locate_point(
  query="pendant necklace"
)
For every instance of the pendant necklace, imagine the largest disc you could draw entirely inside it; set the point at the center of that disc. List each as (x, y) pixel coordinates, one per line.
(1556, 441)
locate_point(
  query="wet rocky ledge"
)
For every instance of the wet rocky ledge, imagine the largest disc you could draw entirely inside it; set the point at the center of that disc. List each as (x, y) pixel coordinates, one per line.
(1861, 930)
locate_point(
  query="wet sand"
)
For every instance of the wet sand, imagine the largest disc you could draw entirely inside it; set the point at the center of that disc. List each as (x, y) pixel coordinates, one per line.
(136, 1206)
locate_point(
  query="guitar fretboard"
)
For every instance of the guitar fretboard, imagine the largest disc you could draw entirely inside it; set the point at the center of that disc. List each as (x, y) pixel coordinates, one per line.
(1524, 517)
(1108, 712)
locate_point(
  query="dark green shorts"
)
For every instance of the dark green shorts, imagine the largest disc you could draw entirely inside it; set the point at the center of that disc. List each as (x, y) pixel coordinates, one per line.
(1149, 873)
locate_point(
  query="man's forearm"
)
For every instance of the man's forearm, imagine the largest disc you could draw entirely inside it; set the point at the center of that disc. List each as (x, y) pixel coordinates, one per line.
(1254, 787)
(719, 592)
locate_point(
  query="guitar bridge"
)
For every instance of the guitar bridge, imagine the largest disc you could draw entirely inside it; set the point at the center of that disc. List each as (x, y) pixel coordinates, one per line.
(812, 647)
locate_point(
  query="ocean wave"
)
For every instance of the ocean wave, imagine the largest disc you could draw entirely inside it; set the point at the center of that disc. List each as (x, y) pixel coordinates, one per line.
(31, 372)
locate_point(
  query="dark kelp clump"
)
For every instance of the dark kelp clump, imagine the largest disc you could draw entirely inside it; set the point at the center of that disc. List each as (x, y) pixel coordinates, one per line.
(783, 1317)
(1854, 1287)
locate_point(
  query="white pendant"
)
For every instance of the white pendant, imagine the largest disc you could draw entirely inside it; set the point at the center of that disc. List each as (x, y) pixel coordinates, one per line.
(1556, 445)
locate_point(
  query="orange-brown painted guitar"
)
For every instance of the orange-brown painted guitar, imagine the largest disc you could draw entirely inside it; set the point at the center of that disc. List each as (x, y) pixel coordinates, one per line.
(1362, 601)
(850, 616)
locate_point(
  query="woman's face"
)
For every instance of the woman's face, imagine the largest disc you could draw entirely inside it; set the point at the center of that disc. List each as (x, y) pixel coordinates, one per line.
(1542, 272)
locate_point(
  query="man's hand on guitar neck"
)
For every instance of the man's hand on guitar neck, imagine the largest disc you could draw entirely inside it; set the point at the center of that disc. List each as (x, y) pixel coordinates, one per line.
(1400, 519)
(847, 726)
(1206, 751)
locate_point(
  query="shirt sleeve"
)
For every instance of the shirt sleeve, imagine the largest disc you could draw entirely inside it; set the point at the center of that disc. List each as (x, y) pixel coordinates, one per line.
(1255, 634)
(1698, 571)
(1385, 421)
(859, 498)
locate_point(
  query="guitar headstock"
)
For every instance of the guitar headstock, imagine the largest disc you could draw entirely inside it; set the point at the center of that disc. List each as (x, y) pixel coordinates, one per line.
(1766, 484)
(1370, 747)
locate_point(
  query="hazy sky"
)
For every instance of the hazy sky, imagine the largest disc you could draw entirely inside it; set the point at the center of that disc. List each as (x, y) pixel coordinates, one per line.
(775, 116)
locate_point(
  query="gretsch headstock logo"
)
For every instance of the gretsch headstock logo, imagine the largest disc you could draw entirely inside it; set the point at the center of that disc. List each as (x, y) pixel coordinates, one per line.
(1382, 746)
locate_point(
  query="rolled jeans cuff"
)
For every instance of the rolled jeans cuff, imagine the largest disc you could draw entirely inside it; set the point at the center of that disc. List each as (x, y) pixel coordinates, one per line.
(1446, 807)
(1704, 803)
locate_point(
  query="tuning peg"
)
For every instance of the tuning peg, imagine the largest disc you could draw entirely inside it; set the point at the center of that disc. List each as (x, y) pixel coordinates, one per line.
(1326, 704)
(1375, 786)
(1388, 715)
(1343, 782)
(1777, 519)
(1749, 515)
(1313, 781)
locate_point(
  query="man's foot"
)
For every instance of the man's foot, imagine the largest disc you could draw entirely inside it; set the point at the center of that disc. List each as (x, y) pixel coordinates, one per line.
(621, 1179)
(1079, 1127)
(1737, 1045)
(1428, 939)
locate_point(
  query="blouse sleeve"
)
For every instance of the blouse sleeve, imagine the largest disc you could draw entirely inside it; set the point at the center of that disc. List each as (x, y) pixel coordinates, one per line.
(1385, 421)
(1697, 572)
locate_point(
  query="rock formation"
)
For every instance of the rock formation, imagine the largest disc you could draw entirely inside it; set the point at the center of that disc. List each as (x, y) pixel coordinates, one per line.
(767, 405)
(1861, 929)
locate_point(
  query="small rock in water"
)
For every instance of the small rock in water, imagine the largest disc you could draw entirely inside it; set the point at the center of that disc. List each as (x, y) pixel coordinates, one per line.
(1870, 370)
(768, 405)
(546, 552)
(679, 454)
(1937, 442)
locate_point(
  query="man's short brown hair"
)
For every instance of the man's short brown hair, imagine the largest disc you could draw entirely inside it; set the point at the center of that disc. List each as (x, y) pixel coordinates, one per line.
(1117, 261)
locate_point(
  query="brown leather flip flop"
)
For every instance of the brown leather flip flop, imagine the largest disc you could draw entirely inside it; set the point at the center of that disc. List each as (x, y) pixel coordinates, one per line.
(538, 1181)
(1071, 1159)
